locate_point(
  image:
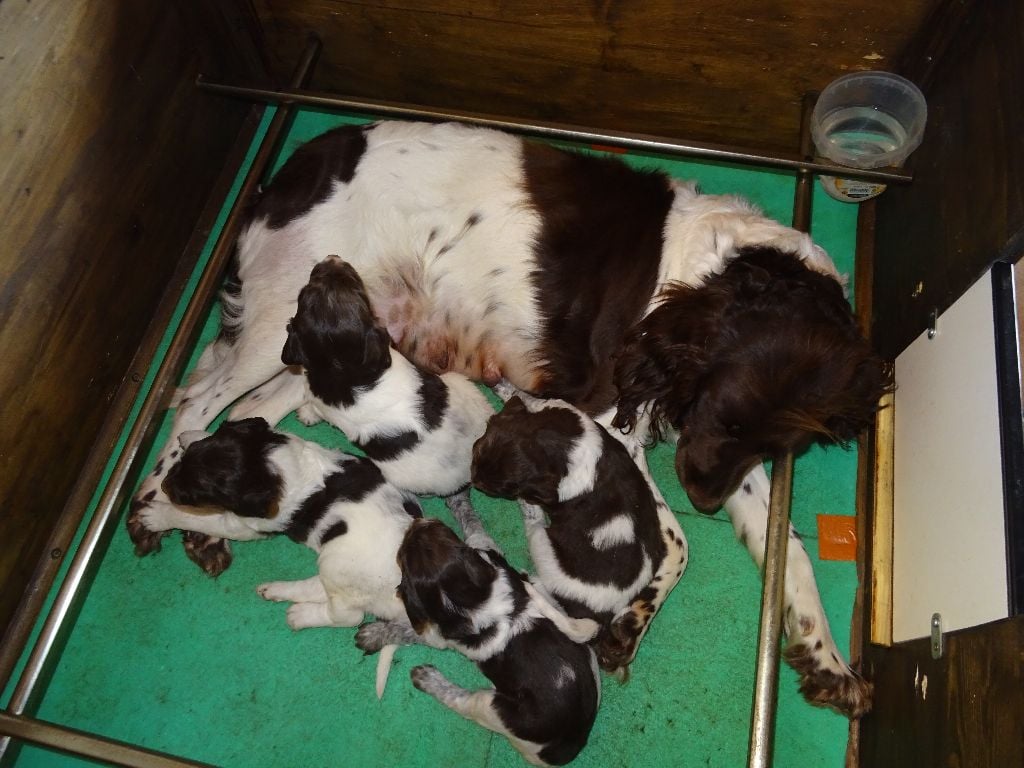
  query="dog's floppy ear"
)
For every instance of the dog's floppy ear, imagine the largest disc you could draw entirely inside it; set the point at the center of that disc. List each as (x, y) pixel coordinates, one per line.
(665, 356)
(514, 405)
(292, 354)
(376, 350)
(185, 439)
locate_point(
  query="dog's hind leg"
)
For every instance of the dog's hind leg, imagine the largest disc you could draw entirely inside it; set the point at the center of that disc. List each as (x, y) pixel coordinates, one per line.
(825, 679)
(617, 647)
(477, 706)
(472, 529)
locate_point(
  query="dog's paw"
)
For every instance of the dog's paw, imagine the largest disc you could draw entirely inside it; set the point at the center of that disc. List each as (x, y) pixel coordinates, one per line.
(307, 415)
(427, 678)
(830, 683)
(305, 615)
(145, 539)
(616, 646)
(504, 389)
(211, 554)
(373, 636)
(271, 590)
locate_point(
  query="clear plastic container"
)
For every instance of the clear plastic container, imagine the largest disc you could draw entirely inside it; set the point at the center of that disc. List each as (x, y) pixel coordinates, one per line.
(867, 120)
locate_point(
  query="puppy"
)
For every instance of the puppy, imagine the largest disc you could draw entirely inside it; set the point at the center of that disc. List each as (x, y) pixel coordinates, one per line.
(604, 544)
(546, 682)
(417, 426)
(246, 481)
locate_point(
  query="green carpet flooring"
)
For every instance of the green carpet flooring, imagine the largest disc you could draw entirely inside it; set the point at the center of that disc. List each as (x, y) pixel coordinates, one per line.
(162, 656)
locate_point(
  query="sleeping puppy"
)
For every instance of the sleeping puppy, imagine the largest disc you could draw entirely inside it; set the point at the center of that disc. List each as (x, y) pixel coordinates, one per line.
(604, 545)
(417, 426)
(246, 481)
(468, 598)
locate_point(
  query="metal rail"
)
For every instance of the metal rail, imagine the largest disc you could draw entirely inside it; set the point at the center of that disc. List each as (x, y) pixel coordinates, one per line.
(633, 141)
(84, 744)
(170, 368)
(766, 681)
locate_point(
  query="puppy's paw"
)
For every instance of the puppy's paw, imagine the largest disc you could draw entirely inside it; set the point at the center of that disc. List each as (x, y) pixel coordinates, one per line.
(505, 389)
(211, 554)
(828, 682)
(373, 636)
(307, 415)
(145, 539)
(428, 679)
(305, 615)
(272, 590)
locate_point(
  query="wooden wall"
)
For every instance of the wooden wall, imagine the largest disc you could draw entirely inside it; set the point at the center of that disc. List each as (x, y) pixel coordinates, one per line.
(938, 235)
(933, 239)
(725, 72)
(107, 155)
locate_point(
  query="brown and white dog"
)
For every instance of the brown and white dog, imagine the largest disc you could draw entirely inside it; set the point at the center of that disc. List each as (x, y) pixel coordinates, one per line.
(574, 277)
(466, 597)
(247, 481)
(605, 541)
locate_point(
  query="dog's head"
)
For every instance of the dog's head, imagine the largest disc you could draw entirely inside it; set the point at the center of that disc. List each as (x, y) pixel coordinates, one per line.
(334, 334)
(443, 579)
(229, 470)
(761, 359)
(524, 454)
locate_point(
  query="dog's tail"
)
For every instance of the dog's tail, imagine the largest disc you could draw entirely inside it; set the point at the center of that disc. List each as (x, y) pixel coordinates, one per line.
(387, 654)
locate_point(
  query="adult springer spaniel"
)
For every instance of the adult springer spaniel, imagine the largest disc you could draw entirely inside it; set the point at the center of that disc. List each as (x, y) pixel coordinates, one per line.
(574, 277)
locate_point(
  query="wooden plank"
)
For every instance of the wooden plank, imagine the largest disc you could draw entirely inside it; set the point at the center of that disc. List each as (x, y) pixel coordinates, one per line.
(940, 234)
(882, 525)
(107, 163)
(960, 710)
(708, 70)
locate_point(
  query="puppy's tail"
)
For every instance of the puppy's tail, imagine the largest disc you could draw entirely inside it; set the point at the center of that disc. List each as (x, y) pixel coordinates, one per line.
(387, 654)
(577, 630)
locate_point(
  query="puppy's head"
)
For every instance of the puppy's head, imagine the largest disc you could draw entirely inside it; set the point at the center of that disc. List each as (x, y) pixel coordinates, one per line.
(524, 454)
(334, 334)
(229, 470)
(761, 359)
(443, 579)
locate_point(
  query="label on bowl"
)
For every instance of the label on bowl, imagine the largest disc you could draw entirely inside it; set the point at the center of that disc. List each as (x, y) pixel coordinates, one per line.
(851, 190)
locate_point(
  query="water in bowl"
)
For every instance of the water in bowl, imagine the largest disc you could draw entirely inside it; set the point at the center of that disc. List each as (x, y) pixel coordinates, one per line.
(862, 132)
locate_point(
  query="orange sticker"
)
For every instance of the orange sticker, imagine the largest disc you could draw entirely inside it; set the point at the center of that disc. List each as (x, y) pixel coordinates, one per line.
(837, 537)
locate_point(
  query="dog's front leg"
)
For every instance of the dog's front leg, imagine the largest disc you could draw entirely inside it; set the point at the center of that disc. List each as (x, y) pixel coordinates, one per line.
(473, 530)
(825, 679)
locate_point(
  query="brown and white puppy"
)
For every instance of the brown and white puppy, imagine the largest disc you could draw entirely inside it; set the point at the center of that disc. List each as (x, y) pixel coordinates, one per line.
(246, 481)
(546, 683)
(603, 545)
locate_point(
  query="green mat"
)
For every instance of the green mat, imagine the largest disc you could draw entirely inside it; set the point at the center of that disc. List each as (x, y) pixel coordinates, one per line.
(162, 656)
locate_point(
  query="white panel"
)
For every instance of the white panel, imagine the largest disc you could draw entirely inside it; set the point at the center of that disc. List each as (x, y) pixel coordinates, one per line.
(949, 550)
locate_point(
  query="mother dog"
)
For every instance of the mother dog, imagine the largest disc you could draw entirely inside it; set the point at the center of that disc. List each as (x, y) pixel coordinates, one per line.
(574, 277)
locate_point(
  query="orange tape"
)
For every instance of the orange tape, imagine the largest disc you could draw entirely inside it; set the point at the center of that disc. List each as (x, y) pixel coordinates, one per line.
(837, 537)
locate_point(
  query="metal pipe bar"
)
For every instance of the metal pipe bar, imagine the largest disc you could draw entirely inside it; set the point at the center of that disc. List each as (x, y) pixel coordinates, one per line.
(766, 681)
(170, 369)
(633, 141)
(84, 744)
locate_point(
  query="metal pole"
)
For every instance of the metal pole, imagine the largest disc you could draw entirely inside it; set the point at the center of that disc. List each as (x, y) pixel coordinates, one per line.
(766, 682)
(170, 368)
(633, 141)
(77, 742)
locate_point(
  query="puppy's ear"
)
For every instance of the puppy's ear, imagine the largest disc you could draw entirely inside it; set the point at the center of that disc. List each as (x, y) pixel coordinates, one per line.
(376, 350)
(414, 607)
(292, 353)
(185, 439)
(514, 405)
